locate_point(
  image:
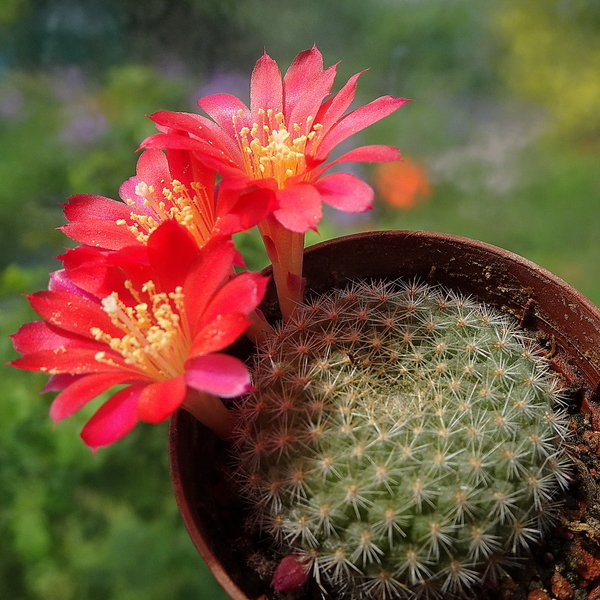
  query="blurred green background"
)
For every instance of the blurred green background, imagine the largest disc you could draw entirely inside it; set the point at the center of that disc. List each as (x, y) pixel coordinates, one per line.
(503, 145)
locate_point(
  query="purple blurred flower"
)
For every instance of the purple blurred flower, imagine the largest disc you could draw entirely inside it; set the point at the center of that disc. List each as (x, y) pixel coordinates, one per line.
(225, 82)
(84, 128)
(12, 102)
(68, 84)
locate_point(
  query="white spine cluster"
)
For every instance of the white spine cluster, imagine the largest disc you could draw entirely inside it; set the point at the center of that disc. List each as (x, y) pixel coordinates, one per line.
(403, 439)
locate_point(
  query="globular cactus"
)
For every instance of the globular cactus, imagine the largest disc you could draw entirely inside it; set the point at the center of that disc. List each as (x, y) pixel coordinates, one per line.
(403, 440)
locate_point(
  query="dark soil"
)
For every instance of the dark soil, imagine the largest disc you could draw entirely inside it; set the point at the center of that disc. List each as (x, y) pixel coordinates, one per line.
(567, 565)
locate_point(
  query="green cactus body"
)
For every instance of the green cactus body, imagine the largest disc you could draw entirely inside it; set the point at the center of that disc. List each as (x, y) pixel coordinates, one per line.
(402, 440)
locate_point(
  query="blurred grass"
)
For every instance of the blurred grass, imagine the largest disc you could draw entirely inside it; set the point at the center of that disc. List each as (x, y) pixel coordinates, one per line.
(505, 121)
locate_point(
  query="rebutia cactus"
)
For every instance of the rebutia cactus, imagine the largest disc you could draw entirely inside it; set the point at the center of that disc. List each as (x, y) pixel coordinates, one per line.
(402, 440)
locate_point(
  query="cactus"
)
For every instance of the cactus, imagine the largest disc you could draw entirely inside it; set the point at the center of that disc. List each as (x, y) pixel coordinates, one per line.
(402, 440)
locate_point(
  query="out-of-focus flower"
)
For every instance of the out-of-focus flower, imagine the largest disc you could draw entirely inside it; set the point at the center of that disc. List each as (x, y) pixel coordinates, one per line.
(69, 84)
(12, 102)
(160, 331)
(165, 187)
(401, 183)
(283, 139)
(230, 82)
(84, 126)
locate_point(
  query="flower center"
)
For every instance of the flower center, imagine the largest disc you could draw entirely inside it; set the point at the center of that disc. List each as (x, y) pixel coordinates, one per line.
(193, 209)
(271, 150)
(155, 340)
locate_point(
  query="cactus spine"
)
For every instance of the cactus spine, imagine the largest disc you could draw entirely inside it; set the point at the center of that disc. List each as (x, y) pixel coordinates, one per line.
(403, 440)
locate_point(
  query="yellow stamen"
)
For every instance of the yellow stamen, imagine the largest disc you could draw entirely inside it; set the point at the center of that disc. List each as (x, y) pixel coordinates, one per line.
(156, 338)
(271, 149)
(192, 208)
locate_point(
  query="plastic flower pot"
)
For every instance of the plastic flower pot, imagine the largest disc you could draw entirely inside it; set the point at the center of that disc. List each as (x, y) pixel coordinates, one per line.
(565, 322)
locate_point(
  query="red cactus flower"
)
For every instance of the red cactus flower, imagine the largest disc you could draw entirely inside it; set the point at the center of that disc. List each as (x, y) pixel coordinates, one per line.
(280, 145)
(162, 338)
(283, 139)
(165, 187)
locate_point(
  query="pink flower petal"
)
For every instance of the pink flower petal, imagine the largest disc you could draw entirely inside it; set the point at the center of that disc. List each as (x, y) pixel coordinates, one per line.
(93, 221)
(299, 208)
(87, 206)
(184, 168)
(266, 87)
(101, 233)
(39, 335)
(239, 211)
(242, 294)
(59, 382)
(73, 360)
(89, 271)
(81, 391)
(336, 106)
(73, 313)
(152, 168)
(213, 267)
(129, 256)
(127, 191)
(202, 129)
(375, 153)
(223, 108)
(196, 125)
(60, 281)
(308, 103)
(219, 334)
(215, 156)
(218, 374)
(346, 192)
(159, 401)
(307, 65)
(206, 136)
(172, 251)
(114, 419)
(356, 120)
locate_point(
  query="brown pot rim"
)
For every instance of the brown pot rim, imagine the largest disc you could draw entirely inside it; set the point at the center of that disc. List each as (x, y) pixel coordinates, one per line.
(568, 322)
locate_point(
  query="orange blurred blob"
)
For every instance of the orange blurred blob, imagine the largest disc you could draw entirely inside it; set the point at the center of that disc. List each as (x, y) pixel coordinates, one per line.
(401, 183)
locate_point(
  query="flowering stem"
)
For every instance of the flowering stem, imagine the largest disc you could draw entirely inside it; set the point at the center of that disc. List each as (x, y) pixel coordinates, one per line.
(209, 410)
(286, 251)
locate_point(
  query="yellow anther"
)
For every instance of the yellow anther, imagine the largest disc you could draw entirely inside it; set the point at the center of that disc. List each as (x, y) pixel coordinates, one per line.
(191, 208)
(268, 149)
(155, 338)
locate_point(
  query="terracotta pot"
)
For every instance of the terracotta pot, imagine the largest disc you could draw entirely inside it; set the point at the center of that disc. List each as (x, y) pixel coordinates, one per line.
(567, 322)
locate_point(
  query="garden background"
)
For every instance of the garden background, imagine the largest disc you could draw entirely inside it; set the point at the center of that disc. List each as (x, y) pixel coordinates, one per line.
(502, 144)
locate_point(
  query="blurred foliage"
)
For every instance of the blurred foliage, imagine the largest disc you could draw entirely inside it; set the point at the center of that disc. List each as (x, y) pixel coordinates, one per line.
(63, 135)
(505, 124)
(74, 525)
(554, 59)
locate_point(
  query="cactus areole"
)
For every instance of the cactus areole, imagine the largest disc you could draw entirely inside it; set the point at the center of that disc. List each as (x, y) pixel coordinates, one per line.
(407, 435)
